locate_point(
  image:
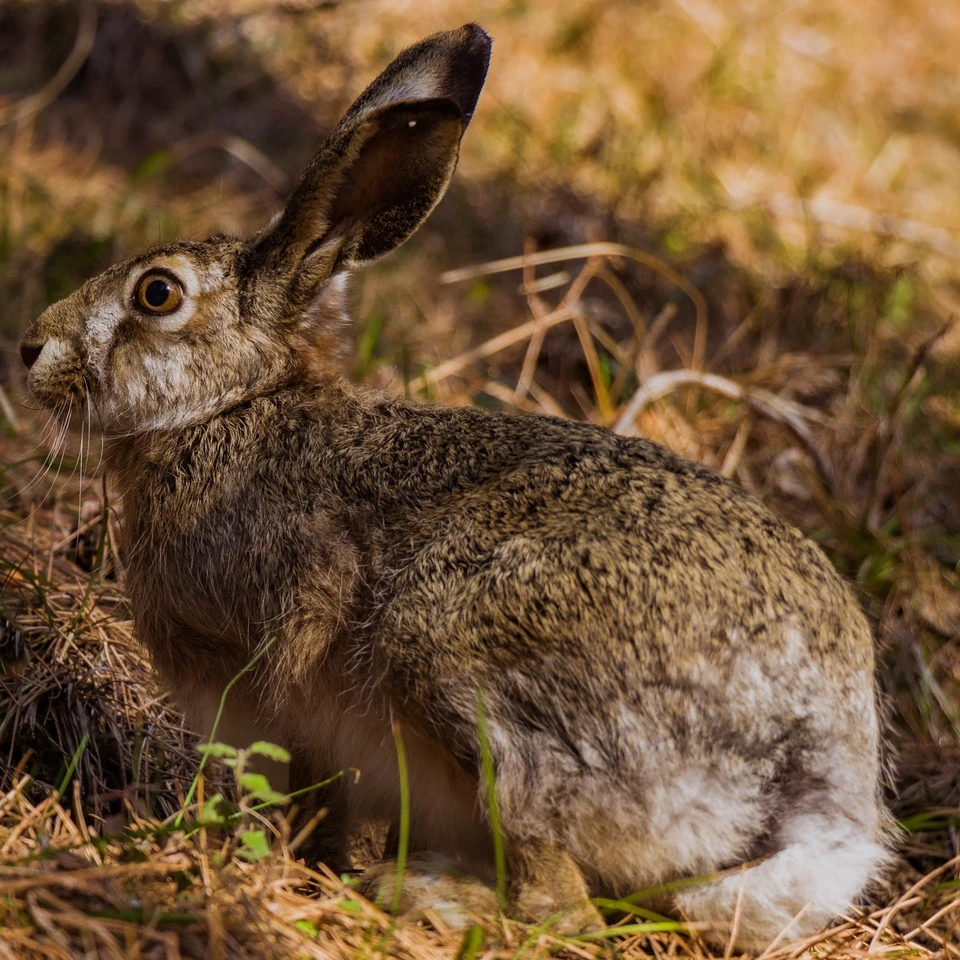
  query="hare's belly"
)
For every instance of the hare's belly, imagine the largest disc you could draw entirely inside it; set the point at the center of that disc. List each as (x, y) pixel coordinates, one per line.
(445, 812)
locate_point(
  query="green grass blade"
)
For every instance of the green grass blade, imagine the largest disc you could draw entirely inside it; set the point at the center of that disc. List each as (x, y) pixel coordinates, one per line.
(490, 780)
(472, 943)
(404, 839)
(624, 906)
(670, 887)
(72, 766)
(630, 929)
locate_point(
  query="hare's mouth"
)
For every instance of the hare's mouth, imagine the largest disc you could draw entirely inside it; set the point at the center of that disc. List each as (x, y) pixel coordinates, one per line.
(61, 386)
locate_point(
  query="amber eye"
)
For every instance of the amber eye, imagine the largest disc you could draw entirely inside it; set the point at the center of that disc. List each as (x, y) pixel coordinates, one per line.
(158, 293)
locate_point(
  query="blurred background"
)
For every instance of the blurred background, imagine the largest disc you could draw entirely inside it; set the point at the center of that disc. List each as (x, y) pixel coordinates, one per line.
(783, 179)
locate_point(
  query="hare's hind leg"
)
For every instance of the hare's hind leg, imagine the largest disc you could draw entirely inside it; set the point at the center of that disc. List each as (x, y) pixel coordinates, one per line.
(823, 863)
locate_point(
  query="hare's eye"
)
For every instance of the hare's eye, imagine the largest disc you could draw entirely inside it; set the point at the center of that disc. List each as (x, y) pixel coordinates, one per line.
(158, 293)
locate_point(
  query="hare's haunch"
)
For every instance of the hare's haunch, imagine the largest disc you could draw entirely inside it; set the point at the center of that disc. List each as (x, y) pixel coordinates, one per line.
(674, 682)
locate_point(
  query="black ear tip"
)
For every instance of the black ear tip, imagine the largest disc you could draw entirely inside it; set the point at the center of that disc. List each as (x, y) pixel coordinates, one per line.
(468, 68)
(474, 46)
(477, 41)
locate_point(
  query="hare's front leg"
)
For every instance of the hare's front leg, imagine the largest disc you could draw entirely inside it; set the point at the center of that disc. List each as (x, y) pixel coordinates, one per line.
(322, 811)
(241, 723)
(430, 884)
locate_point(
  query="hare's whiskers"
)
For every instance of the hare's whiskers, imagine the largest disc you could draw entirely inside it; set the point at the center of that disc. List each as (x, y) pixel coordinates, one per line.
(57, 428)
(61, 447)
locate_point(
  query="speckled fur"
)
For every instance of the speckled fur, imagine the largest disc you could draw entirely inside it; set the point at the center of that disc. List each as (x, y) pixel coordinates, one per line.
(675, 681)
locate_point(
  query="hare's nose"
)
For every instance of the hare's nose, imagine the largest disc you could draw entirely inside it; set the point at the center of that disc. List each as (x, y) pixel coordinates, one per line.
(29, 353)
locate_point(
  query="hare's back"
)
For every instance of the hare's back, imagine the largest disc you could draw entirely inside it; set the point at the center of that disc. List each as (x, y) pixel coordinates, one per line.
(568, 537)
(604, 586)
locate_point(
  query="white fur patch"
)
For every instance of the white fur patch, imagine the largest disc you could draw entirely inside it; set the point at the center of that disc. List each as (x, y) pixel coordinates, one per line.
(823, 867)
(54, 353)
(174, 416)
(168, 370)
(412, 87)
(697, 819)
(100, 326)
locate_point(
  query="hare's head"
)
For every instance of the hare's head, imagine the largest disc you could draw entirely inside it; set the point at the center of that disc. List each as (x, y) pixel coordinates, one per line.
(188, 329)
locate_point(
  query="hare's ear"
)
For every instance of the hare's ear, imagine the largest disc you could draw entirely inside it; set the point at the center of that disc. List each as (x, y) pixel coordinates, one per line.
(382, 170)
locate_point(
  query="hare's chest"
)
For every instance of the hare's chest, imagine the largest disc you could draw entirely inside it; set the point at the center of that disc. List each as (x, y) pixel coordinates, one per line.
(235, 552)
(233, 572)
(208, 583)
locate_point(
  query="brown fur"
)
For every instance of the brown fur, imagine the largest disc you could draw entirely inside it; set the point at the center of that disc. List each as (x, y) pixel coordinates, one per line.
(675, 680)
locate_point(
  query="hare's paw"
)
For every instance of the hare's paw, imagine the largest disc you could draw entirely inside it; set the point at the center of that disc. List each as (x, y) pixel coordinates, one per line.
(546, 886)
(566, 919)
(430, 883)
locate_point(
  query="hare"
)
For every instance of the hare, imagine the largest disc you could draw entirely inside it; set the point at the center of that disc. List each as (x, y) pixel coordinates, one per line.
(674, 682)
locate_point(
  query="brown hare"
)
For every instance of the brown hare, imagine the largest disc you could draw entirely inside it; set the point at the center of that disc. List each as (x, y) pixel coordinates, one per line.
(674, 681)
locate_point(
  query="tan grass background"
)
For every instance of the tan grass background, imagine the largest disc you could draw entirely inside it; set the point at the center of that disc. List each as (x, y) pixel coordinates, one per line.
(741, 230)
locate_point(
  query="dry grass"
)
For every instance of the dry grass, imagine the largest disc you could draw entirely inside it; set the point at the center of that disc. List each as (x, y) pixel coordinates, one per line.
(741, 230)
